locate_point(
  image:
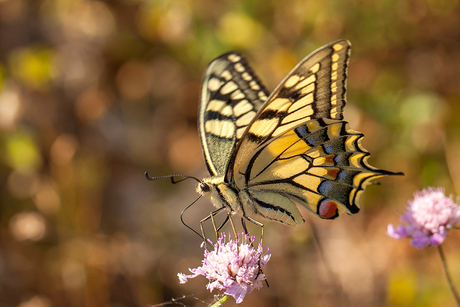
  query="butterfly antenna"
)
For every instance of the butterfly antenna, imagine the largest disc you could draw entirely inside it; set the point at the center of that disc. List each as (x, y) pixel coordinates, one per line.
(185, 177)
(171, 177)
(182, 217)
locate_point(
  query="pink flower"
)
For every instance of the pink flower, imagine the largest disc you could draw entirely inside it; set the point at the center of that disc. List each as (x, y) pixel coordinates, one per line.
(232, 267)
(428, 217)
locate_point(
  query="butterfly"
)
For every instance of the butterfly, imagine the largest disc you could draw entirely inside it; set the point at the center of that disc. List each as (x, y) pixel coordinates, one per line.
(268, 153)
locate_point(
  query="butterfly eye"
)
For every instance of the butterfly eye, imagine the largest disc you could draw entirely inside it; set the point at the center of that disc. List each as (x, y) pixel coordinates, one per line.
(204, 187)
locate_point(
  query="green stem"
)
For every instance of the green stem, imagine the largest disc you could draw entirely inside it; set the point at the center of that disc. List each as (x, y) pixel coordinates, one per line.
(449, 280)
(221, 301)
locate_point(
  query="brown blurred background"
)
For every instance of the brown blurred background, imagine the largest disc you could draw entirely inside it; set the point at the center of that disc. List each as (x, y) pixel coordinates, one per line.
(94, 93)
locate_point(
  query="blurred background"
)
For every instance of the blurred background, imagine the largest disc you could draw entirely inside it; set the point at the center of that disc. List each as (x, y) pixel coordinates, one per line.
(94, 93)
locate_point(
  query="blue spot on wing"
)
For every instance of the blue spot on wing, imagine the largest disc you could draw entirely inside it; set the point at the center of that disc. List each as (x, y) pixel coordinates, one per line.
(341, 175)
(302, 131)
(311, 141)
(328, 148)
(338, 158)
(325, 187)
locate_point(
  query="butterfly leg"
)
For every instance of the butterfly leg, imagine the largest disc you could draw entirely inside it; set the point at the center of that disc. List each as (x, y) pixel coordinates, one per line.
(233, 226)
(243, 222)
(228, 218)
(214, 227)
(210, 216)
(255, 223)
(223, 223)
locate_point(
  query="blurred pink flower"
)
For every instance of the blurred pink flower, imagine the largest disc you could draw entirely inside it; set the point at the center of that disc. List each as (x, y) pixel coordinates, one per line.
(232, 267)
(428, 217)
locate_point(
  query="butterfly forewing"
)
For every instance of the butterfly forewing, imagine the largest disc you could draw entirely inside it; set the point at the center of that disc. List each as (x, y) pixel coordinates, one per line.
(231, 95)
(315, 88)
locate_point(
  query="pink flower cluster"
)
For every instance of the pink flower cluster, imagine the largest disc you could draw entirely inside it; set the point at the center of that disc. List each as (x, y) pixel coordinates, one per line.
(232, 267)
(428, 218)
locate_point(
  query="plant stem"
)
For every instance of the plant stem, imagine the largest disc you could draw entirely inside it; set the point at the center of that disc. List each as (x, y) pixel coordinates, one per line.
(449, 280)
(221, 301)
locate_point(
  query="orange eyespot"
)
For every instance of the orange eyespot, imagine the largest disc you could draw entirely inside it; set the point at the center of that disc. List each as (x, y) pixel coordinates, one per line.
(328, 209)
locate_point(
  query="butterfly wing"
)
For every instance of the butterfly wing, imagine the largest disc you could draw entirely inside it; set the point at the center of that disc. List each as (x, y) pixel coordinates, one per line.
(320, 164)
(298, 150)
(315, 88)
(231, 95)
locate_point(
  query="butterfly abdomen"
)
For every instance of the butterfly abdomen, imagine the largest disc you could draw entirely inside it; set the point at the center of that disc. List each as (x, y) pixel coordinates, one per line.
(272, 206)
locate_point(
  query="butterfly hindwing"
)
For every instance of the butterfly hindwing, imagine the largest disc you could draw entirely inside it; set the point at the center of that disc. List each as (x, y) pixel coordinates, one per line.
(320, 164)
(231, 95)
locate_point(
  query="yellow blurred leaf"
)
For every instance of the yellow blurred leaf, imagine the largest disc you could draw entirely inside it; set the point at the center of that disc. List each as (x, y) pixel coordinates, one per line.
(33, 66)
(240, 30)
(148, 21)
(422, 108)
(22, 152)
(402, 288)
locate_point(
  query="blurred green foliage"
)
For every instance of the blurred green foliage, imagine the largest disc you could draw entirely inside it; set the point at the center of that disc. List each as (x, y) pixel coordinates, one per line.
(93, 93)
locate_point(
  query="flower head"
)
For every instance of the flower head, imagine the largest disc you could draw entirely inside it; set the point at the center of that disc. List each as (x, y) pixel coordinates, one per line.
(428, 217)
(232, 267)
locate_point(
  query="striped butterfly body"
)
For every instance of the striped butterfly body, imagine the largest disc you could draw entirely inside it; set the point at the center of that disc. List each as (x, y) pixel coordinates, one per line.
(266, 154)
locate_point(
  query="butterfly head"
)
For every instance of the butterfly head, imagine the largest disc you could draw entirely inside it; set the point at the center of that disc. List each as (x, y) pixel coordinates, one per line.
(208, 185)
(203, 187)
(220, 192)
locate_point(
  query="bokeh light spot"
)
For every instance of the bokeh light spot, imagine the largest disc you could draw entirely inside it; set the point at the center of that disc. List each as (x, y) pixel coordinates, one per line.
(36, 301)
(10, 107)
(63, 149)
(91, 105)
(22, 184)
(134, 80)
(28, 226)
(240, 30)
(46, 198)
(73, 274)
